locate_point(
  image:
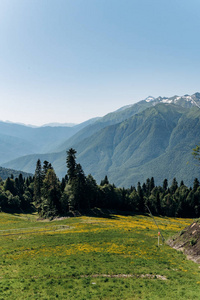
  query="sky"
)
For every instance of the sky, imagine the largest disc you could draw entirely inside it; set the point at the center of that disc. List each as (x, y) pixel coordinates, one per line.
(71, 60)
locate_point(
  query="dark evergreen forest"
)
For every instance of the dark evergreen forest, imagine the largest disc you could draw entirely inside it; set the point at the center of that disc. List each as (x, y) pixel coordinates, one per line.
(52, 197)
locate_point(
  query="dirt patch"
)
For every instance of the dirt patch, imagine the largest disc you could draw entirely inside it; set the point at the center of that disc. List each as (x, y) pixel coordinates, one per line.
(188, 241)
(149, 276)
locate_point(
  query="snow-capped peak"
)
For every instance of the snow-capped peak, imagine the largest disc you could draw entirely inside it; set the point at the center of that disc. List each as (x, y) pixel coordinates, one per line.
(149, 99)
(184, 101)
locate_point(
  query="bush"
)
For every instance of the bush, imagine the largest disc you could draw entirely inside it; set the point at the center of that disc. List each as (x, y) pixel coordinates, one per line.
(193, 242)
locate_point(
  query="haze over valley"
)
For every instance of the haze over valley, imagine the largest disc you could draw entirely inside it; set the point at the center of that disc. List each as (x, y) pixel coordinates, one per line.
(153, 137)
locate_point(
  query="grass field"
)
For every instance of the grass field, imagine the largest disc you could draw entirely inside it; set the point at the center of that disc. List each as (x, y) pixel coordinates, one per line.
(113, 257)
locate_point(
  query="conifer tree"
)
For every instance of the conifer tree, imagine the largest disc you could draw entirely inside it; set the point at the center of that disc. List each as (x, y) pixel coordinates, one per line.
(141, 206)
(195, 184)
(50, 195)
(104, 181)
(38, 185)
(46, 166)
(71, 164)
(10, 186)
(174, 186)
(152, 184)
(165, 184)
(76, 182)
(79, 187)
(91, 191)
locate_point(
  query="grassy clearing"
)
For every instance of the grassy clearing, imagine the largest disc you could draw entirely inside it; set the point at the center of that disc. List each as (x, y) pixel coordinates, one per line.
(93, 258)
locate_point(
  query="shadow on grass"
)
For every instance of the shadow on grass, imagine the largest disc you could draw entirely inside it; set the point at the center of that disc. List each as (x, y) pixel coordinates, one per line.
(17, 210)
(94, 212)
(102, 213)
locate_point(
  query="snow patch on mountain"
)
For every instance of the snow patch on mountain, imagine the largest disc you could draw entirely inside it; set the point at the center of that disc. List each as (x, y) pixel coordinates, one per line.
(193, 99)
(167, 101)
(149, 99)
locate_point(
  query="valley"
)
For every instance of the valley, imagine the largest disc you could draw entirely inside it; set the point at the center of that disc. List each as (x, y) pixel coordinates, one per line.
(127, 145)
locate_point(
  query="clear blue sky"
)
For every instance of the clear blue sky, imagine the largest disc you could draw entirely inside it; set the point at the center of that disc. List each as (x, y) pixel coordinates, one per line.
(71, 60)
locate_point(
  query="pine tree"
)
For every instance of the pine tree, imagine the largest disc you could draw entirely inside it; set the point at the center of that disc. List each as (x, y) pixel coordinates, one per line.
(71, 164)
(79, 187)
(148, 190)
(51, 194)
(104, 181)
(152, 184)
(91, 191)
(9, 185)
(20, 185)
(38, 186)
(141, 206)
(195, 184)
(165, 184)
(63, 184)
(174, 186)
(46, 166)
(76, 181)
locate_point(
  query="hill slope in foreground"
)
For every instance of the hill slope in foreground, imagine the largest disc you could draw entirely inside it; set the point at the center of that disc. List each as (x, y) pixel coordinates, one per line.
(107, 256)
(188, 241)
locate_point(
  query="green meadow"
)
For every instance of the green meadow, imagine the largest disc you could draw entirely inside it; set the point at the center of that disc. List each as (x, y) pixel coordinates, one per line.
(105, 257)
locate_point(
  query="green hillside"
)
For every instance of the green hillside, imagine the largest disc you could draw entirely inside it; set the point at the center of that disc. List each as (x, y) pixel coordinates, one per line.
(109, 119)
(158, 142)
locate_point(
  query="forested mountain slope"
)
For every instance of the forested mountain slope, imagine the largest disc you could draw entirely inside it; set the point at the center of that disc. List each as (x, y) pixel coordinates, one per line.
(109, 119)
(5, 173)
(126, 112)
(156, 142)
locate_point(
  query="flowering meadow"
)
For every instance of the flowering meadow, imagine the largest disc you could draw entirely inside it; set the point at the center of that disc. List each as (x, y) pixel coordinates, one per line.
(104, 257)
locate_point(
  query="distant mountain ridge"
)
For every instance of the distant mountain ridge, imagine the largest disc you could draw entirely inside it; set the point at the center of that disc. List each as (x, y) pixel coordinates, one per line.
(126, 112)
(56, 124)
(153, 137)
(185, 101)
(17, 140)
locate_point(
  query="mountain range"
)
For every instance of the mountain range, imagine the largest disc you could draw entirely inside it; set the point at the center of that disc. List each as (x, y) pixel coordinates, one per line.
(151, 138)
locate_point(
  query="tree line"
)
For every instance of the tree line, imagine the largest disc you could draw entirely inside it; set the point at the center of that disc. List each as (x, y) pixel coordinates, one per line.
(52, 197)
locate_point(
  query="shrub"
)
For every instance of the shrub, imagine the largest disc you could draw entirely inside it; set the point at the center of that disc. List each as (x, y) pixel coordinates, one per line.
(193, 242)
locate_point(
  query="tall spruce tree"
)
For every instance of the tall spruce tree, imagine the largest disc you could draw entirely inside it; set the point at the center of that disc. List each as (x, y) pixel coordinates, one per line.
(71, 164)
(104, 181)
(141, 205)
(79, 184)
(46, 166)
(38, 186)
(165, 184)
(195, 184)
(76, 182)
(51, 194)
(173, 186)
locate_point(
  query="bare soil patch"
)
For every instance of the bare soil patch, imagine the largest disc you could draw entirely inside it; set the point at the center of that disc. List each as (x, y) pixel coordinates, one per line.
(188, 241)
(149, 276)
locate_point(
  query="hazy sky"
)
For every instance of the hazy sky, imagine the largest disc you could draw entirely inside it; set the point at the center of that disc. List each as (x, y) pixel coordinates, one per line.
(71, 60)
